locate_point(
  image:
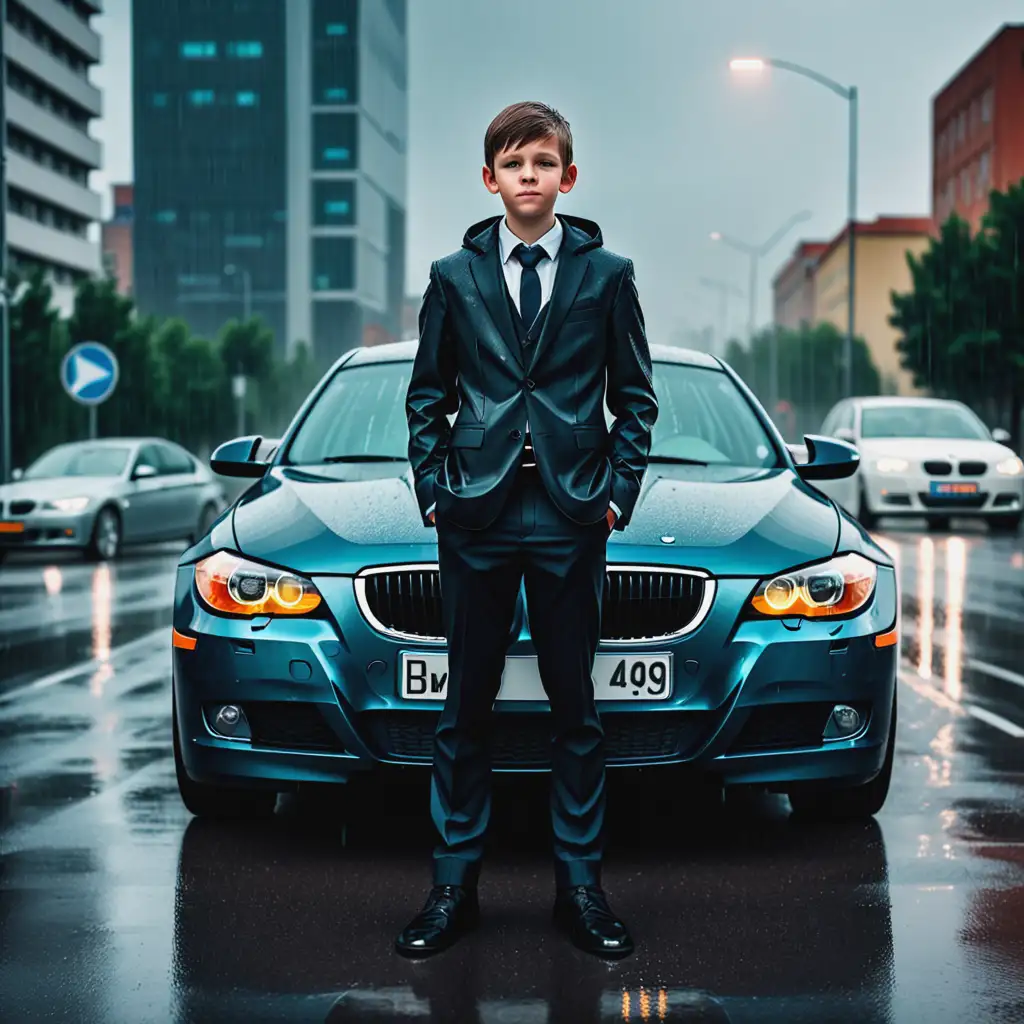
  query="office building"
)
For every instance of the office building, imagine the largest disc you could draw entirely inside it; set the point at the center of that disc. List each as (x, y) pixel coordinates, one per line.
(978, 129)
(270, 140)
(793, 286)
(49, 47)
(117, 239)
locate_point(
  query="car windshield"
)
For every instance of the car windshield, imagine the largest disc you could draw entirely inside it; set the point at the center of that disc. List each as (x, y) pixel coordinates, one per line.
(79, 460)
(703, 418)
(938, 421)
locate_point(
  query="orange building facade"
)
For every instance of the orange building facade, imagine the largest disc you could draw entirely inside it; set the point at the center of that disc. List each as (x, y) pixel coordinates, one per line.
(118, 250)
(978, 129)
(793, 286)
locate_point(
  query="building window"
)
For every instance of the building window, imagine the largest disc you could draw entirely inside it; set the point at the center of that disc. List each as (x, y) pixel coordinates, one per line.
(333, 264)
(166, 216)
(247, 99)
(201, 97)
(159, 99)
(965, 185)
(334, 203)
(198, 51)
(961, 127)
(334, 142)
(984, 173)
(986, 107)
(243, 242)
(246, 50)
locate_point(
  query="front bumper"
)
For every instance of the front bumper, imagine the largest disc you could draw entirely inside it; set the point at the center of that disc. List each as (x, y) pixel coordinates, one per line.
(909, 494)
(46, 530)
(748, 701)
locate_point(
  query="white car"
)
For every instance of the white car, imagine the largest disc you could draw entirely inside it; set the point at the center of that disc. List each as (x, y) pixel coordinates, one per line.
(928, 457)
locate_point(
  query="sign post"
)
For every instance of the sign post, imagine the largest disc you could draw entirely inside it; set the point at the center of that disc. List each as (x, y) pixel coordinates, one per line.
(89, 375)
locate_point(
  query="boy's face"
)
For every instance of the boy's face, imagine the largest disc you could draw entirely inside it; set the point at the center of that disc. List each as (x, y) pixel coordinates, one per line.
(529, 177)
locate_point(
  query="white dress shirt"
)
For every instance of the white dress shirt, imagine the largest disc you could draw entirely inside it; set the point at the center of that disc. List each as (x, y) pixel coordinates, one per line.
(513, 270)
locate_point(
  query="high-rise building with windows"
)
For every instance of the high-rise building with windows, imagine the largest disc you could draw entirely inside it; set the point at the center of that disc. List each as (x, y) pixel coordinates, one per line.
(270, 174)
(48, 48)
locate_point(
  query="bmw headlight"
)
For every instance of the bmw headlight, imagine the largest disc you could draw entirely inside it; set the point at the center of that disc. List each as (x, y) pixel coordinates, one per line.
(67, 505)
(890, 464)
(1010, 467)
(840, 586)
(234, 585)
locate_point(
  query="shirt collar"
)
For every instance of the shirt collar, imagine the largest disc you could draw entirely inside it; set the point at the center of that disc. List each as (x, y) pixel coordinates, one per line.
(507, 241)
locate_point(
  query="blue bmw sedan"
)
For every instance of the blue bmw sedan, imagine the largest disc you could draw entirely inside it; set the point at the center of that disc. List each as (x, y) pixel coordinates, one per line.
(749, 625)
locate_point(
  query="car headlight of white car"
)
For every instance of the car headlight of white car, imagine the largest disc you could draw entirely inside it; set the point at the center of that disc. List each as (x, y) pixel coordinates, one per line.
(1010, 467)
(890, 464)
(67, 505)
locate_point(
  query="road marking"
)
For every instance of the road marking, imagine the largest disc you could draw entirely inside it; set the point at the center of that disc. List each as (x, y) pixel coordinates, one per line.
(1010, 728)
(996, 672)
(64, 674)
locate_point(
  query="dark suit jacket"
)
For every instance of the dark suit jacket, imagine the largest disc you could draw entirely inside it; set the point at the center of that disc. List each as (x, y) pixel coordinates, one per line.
(470, 361)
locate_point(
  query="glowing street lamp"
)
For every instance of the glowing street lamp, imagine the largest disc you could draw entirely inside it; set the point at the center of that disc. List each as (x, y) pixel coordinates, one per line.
(848, 93)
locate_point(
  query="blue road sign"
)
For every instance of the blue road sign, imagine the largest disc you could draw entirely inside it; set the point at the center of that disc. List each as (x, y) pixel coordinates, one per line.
(89, 373)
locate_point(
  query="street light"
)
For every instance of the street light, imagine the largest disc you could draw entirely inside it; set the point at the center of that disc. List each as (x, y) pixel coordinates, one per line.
(756, 252)
(238, 381)
(848, 93)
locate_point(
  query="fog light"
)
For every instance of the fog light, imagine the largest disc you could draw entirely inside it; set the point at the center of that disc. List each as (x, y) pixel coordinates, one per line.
(229, 720)
(843, 722)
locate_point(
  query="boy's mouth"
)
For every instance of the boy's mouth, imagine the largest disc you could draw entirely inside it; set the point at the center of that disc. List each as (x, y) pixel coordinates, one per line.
(520, 195)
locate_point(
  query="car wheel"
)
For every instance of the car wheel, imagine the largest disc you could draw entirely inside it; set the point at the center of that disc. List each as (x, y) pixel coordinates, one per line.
(865, 516)
(224, 802)
(849, 803)
(206, 520)
(1005, 524)
(938, 523)
(105, 542)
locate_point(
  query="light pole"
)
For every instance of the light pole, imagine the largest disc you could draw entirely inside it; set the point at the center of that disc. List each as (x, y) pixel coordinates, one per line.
(848, 93)
(238, 382)
(756, 253)
(5, 315)
(725, 292)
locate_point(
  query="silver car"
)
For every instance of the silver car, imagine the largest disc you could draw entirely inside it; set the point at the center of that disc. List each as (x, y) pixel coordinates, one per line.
(100, 495)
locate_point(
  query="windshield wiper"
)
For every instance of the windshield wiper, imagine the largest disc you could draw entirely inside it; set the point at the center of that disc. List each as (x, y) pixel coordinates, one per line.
(365, 458)
(676, 459)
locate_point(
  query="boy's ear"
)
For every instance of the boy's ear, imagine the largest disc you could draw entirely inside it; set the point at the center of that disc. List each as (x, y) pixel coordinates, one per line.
(490, 181)
(568, 179)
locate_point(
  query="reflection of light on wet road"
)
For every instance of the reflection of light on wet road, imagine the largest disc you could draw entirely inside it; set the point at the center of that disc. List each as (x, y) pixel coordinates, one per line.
(956, 573)
(53, 580)
(925, 605)
(102, 601)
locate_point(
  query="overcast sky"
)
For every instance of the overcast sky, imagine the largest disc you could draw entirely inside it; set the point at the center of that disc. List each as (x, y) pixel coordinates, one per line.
(670, 145)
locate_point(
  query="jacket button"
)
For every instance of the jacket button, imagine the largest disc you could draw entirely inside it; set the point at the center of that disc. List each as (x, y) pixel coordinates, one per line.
(515, 434)
(530, 384)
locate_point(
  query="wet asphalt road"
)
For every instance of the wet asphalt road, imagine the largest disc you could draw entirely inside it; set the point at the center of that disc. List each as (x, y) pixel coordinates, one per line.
(116, 906)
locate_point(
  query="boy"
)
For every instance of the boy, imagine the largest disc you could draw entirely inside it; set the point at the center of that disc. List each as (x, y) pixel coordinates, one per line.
(518, 332)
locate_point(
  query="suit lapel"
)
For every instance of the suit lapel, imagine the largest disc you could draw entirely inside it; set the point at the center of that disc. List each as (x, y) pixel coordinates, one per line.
(490, 282)
(569, 273)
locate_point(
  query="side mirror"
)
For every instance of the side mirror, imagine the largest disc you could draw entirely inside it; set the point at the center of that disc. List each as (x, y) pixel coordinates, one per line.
(246, 457)
(1001, 436)
(143, 472)
(828, 459)
(845, 434)
(17, 474)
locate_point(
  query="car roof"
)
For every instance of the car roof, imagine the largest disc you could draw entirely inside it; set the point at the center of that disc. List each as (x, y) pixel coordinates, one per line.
(404, 351)
(880, 401)
(115, 442)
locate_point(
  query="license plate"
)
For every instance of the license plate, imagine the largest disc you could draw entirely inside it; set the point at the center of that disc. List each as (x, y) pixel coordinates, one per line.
(949, 489)
(12, 527)
(616, 677)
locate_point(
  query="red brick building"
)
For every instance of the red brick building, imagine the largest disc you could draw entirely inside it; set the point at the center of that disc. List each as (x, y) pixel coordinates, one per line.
(118, 251)
(793, 286)
(978, 129)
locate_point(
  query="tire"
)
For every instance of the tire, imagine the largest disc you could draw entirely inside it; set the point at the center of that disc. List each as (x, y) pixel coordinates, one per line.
(206, 518)
(220, 802)
(105, 542)
(938, 524)
(1005, 524)
(856, 803)
(865, 516)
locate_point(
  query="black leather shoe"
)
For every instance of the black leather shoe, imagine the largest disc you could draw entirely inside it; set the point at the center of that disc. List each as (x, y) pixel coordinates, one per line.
(583, 913)
(449, 913)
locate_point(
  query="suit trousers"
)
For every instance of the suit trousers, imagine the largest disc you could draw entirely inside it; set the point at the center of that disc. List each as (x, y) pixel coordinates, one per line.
(562, 564)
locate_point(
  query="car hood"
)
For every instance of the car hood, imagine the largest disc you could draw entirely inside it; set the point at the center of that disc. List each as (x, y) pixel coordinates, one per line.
(919, 448)
(47, 488)
(338, 519)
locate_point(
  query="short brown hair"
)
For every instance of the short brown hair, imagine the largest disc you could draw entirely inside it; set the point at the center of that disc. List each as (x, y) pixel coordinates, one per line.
(520, 123)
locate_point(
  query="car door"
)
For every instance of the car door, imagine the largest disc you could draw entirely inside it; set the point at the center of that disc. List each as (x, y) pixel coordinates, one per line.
(182, 490)
(142, 508)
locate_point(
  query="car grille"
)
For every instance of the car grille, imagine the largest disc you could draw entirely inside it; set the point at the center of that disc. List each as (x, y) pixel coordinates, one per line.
(776, 726)
(954, 501)
(973, 468)
(640, 602)
(938, 467)
(290, 725)
(523, 739)
(20, 508)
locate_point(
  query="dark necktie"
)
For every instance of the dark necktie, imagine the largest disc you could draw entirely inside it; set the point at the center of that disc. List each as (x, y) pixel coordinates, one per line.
(529, 285)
